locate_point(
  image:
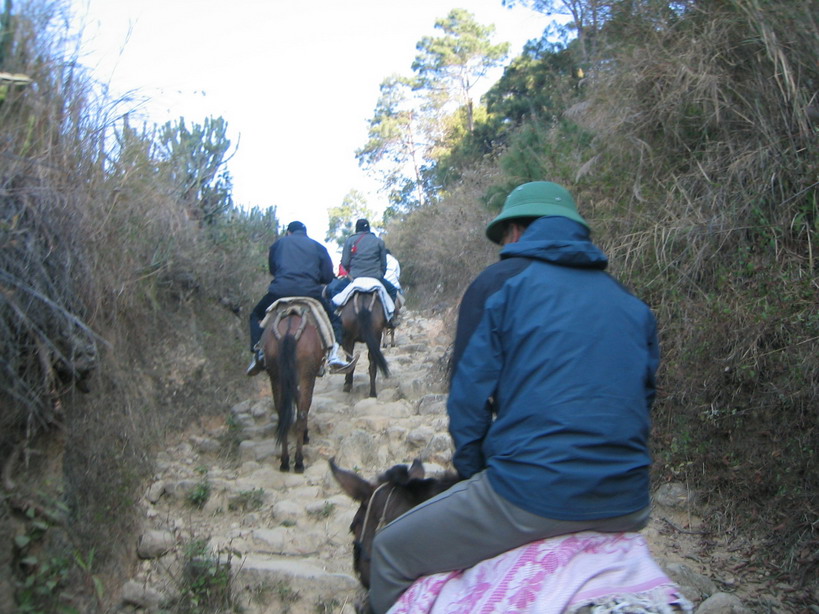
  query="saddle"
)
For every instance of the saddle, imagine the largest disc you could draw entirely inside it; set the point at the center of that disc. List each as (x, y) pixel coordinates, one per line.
(366, 285)
(299, 305)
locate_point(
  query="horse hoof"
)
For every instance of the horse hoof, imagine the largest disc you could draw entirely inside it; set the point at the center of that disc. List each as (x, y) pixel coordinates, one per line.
(299, 468)
(284, 468)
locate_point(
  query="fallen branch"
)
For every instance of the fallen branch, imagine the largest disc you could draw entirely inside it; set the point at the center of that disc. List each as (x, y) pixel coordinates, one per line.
(681, 530)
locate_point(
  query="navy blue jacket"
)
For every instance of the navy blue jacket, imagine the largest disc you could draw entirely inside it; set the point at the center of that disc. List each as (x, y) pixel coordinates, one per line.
(553, 379)
(299, 265)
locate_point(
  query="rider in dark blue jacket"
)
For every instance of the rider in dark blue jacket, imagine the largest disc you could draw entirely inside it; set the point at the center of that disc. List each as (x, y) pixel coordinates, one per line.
(300, 266)
(552, 382)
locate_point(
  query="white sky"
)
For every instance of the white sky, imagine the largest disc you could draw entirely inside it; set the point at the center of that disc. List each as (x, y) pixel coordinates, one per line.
(296, 80)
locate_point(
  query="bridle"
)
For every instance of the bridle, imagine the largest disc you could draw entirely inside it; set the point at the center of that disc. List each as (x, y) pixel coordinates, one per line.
(368, 515)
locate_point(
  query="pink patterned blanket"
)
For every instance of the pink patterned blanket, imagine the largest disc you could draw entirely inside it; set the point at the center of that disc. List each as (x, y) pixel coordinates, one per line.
(612, 571)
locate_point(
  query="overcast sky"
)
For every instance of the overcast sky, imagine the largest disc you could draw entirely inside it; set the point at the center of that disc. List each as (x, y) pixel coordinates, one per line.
(295, 80)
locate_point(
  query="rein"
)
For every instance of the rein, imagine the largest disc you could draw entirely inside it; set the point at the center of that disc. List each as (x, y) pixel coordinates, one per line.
(367, 515)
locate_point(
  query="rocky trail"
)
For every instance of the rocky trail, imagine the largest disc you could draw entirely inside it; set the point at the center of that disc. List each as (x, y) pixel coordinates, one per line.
(224, 527)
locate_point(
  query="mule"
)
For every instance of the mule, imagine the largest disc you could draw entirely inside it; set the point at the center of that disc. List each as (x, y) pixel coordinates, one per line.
(575, 572)
(363, 319)
(294, 354)
(396, 491)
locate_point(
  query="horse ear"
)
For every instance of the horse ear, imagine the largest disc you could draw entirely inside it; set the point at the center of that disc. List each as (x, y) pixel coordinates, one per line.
(416, 470)
(351, 483)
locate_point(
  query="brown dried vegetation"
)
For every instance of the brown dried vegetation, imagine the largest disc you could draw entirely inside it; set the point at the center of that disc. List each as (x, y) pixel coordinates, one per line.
(699, 176)
(691, 149)
(111, 297)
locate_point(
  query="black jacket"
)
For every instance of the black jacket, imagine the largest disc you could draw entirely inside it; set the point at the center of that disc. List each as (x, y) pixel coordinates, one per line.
(300, 266)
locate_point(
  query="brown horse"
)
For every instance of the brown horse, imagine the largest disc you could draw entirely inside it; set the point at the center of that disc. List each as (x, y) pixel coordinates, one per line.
(363, 319)
(394, 492)
(294, 354)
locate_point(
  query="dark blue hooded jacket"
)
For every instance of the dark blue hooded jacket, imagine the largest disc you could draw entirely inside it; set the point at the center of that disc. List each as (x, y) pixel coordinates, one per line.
(553, 379)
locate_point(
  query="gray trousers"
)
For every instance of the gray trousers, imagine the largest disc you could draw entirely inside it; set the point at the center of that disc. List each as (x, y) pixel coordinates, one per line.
(459, 528)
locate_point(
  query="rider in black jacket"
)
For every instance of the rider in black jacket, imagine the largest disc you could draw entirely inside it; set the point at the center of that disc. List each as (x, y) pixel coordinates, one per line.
(300, 266)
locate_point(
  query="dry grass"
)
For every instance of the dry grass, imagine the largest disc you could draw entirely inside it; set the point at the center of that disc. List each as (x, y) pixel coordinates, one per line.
(441, 246)
(705, 197)
(700, 182)
(106, 286)
(698, 179)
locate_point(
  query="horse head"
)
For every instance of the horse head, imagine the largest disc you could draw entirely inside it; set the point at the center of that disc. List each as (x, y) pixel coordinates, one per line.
(394, 492)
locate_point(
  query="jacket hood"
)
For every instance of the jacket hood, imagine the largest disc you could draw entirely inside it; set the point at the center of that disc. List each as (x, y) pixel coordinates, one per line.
(558, 240)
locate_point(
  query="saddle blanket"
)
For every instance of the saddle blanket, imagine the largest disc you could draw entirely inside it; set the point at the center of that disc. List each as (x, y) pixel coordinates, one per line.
(366, 284)
(610, 572)
(294, 304)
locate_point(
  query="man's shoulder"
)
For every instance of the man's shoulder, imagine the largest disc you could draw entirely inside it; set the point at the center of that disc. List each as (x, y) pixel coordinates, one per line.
(492, 278)
(504, 268)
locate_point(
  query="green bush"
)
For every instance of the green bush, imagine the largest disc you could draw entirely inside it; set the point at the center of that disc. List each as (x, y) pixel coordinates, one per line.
(205, 584)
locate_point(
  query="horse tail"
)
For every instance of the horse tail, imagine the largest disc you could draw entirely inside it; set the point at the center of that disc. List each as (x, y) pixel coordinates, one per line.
(365, 325)
(287, 384)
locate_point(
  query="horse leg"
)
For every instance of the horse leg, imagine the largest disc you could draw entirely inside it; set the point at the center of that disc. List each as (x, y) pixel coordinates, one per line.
(391, 333)
(301, 429)
(373, 371)
(304, 402)
(348, 378)
(277, 402)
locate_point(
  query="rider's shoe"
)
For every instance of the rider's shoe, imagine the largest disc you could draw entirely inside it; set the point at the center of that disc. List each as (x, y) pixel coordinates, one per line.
(336, 362)
(256, 365)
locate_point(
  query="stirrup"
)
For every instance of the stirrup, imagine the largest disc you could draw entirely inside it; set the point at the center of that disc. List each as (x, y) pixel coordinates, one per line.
(344, 368)
(256, 365)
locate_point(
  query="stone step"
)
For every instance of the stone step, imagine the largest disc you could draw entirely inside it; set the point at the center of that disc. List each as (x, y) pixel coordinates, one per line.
(297, 586)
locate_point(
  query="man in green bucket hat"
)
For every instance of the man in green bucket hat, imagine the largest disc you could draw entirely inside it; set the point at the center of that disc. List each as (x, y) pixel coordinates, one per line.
(552, 381)
(530, 201)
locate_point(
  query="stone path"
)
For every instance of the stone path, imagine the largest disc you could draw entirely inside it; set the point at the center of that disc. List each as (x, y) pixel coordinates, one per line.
(218, 501)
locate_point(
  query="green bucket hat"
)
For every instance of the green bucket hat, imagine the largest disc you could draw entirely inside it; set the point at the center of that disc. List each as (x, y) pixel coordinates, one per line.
(535, 199)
